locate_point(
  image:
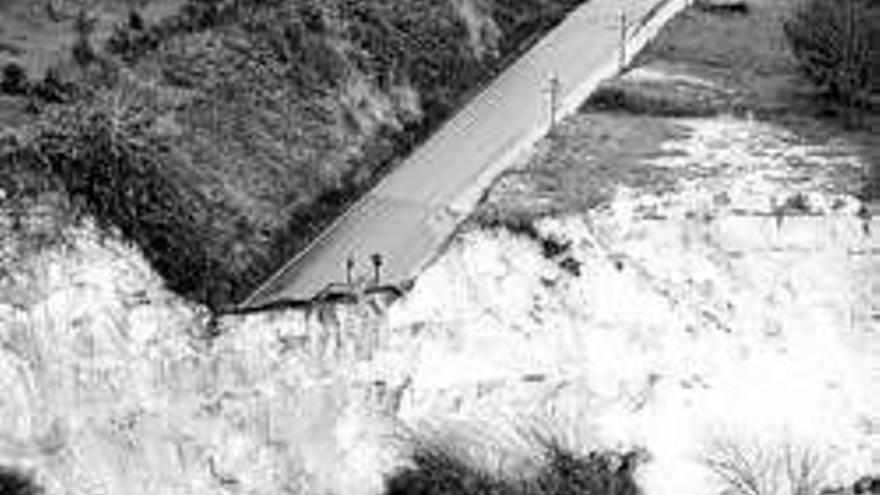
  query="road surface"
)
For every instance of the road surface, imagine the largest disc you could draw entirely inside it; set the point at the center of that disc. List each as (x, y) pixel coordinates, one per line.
(409, 215)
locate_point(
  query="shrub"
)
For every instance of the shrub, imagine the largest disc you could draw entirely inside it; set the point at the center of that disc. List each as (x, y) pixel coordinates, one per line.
(565, 472)
(135, 20)
(13, 482)
(752, 468)
(14, 80)
(516, 221)
(725, 7)
(552, 247)
(871, 191)
(867, 485)
(642, 99)
(837, 45)
(52, 88)
(438, 467)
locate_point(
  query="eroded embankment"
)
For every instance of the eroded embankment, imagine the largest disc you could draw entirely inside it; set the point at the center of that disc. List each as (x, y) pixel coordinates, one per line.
(697, 287)
(669, 321)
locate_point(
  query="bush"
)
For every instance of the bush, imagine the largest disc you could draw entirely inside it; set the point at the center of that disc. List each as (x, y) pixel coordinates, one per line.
(871, 190)
(53, 88)
(516, 221)
(752, 468)
(440, 468)
(642, 99)
(14, 80)
(599, 473)
(837, 45)
(728, 7)
(13, 482)
(135, 20)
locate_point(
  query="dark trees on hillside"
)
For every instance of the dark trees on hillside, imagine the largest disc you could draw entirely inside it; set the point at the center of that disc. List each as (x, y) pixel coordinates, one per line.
(837, 44)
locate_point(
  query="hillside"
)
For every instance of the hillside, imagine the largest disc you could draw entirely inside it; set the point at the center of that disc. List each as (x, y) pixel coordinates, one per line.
(260, 120)
(39, 34)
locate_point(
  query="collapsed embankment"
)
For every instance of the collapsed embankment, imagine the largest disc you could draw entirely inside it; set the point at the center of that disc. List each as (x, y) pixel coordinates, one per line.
(670, 322)
(702, 288)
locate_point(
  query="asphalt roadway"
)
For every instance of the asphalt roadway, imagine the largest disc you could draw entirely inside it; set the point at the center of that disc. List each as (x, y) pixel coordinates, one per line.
(412, 212)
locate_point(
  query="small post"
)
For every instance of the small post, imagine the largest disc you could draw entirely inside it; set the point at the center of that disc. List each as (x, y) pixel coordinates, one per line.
(864, 214)
(778, 212)
(553, 90)
(622, 61)
(349, 269)
(377, 261)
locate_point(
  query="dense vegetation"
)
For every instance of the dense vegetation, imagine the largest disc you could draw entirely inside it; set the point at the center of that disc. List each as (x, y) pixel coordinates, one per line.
(439, 468)
(837, 43)
(222, 138)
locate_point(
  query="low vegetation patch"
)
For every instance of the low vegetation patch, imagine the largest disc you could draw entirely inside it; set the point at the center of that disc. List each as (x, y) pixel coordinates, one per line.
(519, 222)
(872, 184)
(440, 468)
(654, 100)
(14, 482)
(729, 7)
(14, 79)
(523, 223)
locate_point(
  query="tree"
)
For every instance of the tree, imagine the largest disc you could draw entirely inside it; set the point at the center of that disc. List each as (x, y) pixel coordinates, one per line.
(14, 482)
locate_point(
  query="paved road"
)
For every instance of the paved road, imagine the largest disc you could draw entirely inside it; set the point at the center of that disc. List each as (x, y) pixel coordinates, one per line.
(409, 215)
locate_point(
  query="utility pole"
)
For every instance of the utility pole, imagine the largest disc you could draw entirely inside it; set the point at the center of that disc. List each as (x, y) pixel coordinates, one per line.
(850, 64)
(553, 90)
(622, 51)
(376, 258)
(864, 214)
(349, 269)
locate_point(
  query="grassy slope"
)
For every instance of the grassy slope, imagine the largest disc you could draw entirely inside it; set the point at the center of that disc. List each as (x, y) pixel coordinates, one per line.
(751, 55)
(265, 118)
(38, 35)
(722, 63)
